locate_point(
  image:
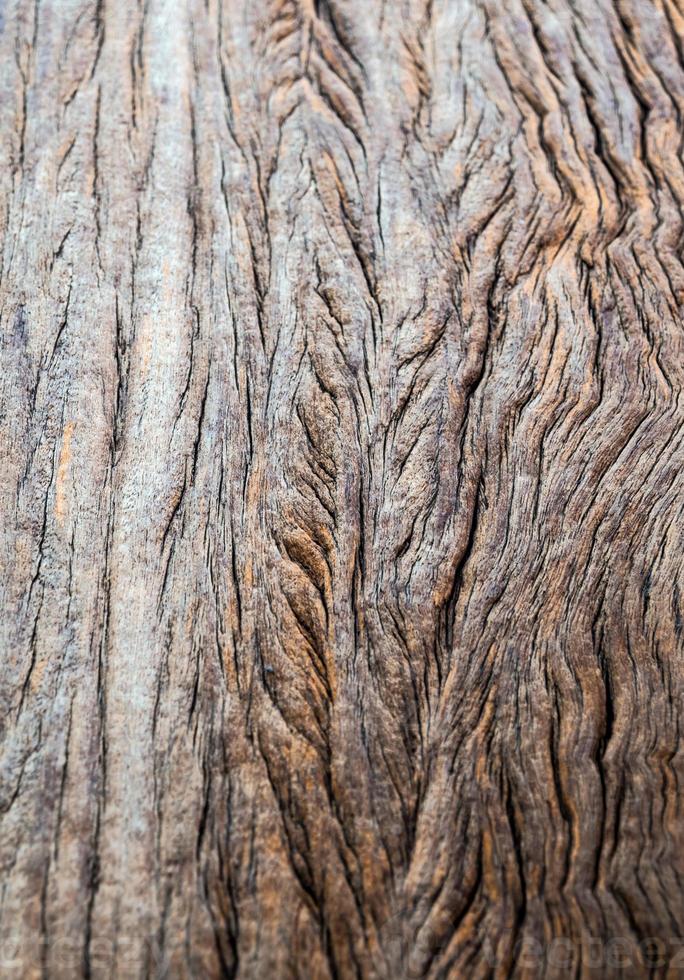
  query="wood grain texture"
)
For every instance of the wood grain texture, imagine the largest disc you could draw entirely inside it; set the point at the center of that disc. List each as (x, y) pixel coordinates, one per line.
(342, 488)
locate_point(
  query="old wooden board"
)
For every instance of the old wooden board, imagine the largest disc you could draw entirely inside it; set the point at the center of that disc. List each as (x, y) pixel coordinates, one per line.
(342, 491)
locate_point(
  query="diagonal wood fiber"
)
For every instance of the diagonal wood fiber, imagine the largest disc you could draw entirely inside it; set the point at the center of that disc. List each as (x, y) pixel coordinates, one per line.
(341, 488)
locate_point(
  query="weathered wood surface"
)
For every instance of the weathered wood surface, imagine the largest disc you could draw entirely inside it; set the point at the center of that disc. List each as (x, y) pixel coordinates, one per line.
(342, 488)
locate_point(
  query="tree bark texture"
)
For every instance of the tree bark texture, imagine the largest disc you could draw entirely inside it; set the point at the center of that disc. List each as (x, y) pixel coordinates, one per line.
(342, 488)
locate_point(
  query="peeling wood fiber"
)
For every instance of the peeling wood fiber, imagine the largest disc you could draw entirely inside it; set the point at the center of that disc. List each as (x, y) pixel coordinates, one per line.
(342, 488)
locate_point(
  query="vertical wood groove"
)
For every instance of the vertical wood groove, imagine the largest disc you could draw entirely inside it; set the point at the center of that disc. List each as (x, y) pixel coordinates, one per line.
(341, 361)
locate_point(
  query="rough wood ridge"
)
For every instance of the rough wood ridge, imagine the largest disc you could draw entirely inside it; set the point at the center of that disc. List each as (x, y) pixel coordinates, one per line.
(342, 488)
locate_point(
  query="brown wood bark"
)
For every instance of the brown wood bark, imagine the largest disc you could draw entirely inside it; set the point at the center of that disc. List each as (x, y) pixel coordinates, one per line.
(342, 488)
